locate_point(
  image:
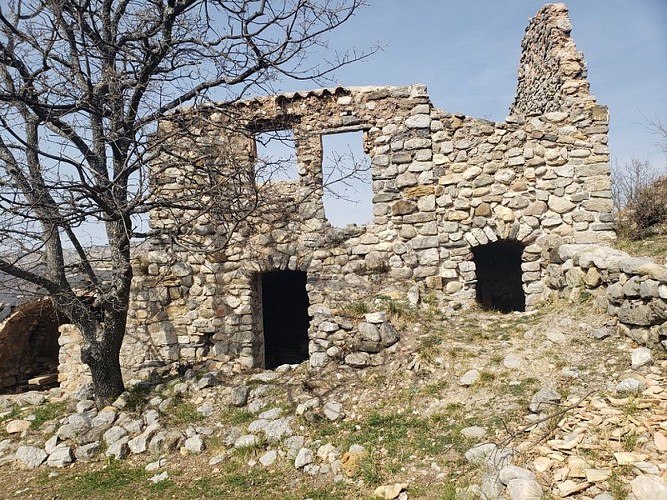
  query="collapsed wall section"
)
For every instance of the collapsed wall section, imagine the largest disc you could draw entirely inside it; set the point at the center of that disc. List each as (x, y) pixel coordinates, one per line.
(631, 290)
(552, 72)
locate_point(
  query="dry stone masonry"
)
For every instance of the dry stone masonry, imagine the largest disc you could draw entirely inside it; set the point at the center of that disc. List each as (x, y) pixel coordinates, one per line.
(632, 290)
(465, 210)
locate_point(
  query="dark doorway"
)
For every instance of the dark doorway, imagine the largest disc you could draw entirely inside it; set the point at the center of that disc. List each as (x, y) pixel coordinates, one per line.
(499, 283)
(286, 320)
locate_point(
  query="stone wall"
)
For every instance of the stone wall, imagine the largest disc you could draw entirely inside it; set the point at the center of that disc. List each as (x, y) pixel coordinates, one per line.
(632, 290)
(552, 72)
(443, 184)
(72, 373)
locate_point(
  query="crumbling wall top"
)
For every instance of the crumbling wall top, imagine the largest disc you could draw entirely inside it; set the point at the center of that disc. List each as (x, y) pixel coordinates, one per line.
(552, 72)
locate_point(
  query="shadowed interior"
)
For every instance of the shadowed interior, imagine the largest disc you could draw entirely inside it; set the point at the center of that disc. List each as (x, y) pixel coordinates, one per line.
(286, 320)
(499, 280)
(29, 346)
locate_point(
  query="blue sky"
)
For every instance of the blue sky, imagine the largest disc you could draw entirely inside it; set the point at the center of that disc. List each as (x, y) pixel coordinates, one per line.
(467, 53)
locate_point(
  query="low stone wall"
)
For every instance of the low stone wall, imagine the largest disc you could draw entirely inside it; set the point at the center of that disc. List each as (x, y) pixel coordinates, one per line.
(72, 373)
(633, 290)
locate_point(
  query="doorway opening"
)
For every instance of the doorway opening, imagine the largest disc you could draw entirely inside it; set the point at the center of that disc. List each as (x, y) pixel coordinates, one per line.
(499, 277)
(285, 318)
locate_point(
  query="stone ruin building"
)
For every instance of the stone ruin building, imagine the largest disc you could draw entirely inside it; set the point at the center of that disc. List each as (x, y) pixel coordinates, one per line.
(465, 211)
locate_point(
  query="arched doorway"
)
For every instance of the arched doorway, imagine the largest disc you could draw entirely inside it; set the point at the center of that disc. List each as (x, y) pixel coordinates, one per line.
(499, 276)
(29, 347)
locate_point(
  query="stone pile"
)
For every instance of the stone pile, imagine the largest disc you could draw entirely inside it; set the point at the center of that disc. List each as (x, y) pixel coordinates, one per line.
(577, 453)
(118, 432)
(632, 290)
(83, 435)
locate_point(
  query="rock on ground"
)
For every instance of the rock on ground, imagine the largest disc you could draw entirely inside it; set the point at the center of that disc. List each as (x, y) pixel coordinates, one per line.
(303, 458)
(544, 400)
(469, 378)
(61, 456)
(649, 488)
(31, 456)
(524, 489)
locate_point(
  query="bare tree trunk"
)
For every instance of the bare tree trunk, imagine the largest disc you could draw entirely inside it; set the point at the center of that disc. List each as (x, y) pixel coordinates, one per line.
(103, 358)
(105, 370)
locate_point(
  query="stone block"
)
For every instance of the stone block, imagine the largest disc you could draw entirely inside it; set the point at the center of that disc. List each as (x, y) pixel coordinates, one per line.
(369, 331)
(357, 359)
(403, 207)
(418, 121)
(636, 313)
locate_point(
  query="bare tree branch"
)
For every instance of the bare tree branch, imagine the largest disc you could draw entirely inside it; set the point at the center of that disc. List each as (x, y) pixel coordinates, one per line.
(84, 87)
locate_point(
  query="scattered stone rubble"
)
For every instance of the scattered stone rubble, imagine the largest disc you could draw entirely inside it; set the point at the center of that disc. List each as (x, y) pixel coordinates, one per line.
(114, 431)
(613, 435)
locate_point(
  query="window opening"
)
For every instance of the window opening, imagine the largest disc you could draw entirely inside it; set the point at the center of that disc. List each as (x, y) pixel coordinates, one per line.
(348, 190)
(275, 156)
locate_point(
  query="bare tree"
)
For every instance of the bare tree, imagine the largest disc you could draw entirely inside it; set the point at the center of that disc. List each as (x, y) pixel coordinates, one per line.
(629, 179)
(83, 87)
(658, 128)
(640, 198)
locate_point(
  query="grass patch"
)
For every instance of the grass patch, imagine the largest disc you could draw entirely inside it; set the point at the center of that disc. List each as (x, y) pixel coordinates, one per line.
(629, 441)
(183, 412)
(10, 414)
(235, 416)
(116, 479)
(245, 453)
(448, 492)
(239, 481)
(631, 408)
(137, 397)
(617, 487)
(370, 470)
(486, 377)
(652, 246)
(404, 437)
(399, 311)
(48, 411)
(585, 297)
(430, 347)
(522, 388)
(324, 428)
(435, 389)
(356, 309)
